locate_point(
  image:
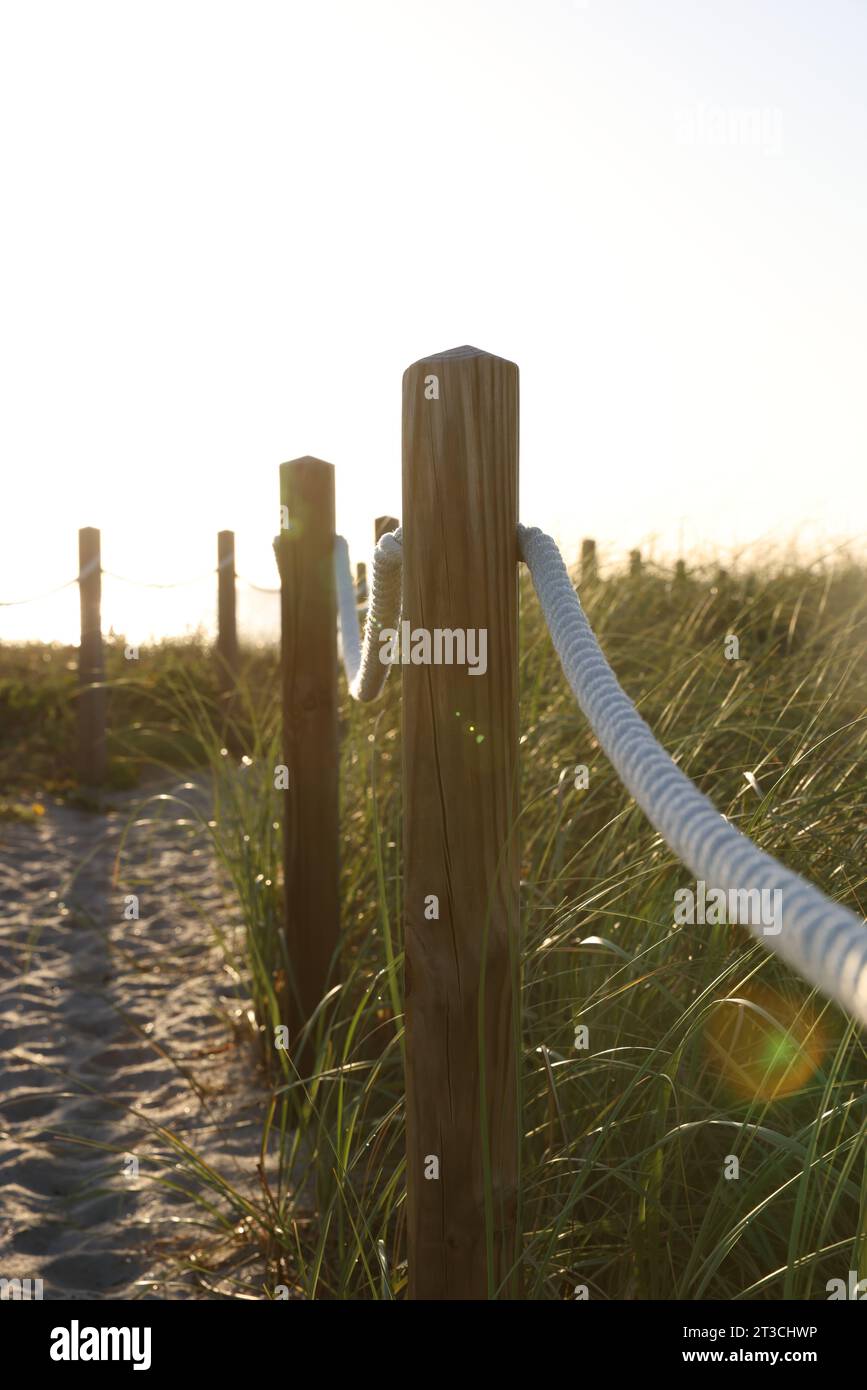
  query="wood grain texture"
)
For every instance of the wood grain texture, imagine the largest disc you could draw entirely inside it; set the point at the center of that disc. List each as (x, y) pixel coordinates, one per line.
(460, 770)
(91, 671)
(305, 554)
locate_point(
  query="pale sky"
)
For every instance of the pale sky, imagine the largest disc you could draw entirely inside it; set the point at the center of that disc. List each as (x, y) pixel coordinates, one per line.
(228, 228)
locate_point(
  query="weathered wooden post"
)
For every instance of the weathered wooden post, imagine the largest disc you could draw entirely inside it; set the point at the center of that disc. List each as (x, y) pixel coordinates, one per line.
(91, 671)
(460, 796)
(635, 563)
(227, 634)
(680, 572)
(308, 609)
(383, 524)
(588, 561)
(361, 581)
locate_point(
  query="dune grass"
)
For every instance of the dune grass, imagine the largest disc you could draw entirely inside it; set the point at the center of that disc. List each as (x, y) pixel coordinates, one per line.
(700, 1048)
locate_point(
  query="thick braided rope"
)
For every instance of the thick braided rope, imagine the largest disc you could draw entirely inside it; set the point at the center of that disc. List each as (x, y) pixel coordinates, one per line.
(365, 673)
(824, 942)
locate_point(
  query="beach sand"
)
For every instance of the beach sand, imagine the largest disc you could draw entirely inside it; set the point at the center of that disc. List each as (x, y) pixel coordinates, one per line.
(110, 1027)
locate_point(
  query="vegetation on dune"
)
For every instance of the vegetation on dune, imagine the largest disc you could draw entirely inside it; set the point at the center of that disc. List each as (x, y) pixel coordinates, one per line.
(701, 1047)
(146, 727)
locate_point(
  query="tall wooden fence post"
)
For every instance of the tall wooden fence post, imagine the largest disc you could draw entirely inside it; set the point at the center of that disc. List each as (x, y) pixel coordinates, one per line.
(308, 609)
(91, 671)
(460, 796)
(589, 571)
(227, 633)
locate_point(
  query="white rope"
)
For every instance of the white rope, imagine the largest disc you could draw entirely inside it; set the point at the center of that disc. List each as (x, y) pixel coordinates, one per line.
(365, 673)
(824, 942)
(347, 611)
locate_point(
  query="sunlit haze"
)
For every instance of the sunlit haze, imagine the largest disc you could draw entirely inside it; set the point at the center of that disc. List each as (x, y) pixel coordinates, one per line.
(228, 229)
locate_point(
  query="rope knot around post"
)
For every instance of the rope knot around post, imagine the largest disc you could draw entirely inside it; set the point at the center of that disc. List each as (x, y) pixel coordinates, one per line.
(389, 547)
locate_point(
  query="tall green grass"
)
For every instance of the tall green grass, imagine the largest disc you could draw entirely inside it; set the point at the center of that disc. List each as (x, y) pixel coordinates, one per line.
(626, 1143)
(701, 1047)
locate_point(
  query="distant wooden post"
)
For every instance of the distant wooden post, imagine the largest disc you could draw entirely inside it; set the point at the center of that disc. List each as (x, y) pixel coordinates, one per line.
(383, 524)
(361, 581)
(635, 563)
(588, 561)
(308, 608)
(460, 798)
(680, 572)
(227, 634)
(91, 671)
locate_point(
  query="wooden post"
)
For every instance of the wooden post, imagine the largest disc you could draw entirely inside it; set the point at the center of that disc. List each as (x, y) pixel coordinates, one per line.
(383, 524)
(588, 561)
(308, 608)
(361, 581)
(680, 572)
(460, 798)
(227, 635)
(91, 671)
(635, 563)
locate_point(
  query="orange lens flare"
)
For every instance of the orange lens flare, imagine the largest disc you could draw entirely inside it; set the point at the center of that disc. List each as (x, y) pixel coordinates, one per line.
(765, 1046)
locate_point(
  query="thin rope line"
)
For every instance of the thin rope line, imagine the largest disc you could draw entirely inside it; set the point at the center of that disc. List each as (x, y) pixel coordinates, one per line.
(35, 598)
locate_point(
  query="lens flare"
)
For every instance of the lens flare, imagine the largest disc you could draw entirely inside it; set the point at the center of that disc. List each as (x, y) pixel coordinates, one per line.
(764, 1045)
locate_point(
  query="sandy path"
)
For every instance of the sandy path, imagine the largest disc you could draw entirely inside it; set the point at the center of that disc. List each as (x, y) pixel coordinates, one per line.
(84, 1020)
